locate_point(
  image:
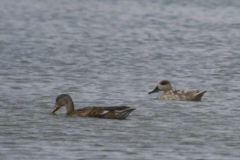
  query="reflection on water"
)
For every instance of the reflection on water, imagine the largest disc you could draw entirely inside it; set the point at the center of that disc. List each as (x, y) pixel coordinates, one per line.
(113, 53)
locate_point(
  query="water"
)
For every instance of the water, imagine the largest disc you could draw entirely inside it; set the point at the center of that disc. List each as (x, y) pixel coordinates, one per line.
(113, 53)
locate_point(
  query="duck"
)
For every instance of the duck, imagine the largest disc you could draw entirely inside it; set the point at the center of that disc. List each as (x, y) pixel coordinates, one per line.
(112, 112)
(179, 94)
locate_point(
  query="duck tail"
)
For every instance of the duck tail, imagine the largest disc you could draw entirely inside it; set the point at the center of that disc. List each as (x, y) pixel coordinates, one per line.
(123, 114)
(199, 95)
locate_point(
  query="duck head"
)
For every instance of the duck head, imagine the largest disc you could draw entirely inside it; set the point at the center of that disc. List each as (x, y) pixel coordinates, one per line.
(63, 100)
(163, 85)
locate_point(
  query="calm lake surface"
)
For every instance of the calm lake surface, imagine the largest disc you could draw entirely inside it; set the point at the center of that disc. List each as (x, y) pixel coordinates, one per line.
(105, 53)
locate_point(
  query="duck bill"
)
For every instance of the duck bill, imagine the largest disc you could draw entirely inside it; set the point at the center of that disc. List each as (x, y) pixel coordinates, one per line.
(155, 90)
(54, 110)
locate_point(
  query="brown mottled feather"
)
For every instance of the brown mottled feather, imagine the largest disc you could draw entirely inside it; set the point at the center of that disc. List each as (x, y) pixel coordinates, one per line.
(113, 112)
(89, 111)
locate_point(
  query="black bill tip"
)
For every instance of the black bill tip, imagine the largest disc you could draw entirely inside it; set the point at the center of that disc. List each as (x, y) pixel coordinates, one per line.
(155, 90)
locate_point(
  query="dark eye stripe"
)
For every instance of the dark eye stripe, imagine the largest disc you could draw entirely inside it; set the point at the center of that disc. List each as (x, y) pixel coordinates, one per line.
(164, 82)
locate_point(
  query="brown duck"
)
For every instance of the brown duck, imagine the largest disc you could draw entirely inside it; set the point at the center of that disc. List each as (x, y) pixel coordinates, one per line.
(114, 112)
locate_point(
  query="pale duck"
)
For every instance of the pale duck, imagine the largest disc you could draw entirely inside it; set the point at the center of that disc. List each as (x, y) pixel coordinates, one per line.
(178, 95)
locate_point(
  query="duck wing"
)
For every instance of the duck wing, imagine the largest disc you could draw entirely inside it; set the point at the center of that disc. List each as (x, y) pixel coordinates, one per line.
(117, 112)
(113, 112)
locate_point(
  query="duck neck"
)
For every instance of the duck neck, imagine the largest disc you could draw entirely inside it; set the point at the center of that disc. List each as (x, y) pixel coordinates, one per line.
(70, 107)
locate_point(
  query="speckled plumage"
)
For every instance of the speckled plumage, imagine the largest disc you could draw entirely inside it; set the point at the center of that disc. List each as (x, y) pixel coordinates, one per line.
(114, 112)
(178, 95)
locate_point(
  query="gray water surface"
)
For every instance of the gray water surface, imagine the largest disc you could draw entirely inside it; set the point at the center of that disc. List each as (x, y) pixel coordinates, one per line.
(107, 53)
